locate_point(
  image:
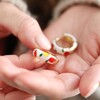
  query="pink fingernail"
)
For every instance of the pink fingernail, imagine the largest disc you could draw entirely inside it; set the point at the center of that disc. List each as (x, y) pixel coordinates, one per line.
(43, 42)
(31, 98)
(92, 90)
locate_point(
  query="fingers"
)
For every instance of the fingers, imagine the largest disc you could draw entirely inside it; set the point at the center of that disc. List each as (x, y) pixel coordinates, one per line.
(90, 81)
(53, 85)
(59, 87)
(19, 95)
(7, 70)
(72, 63)
(23, 26)
(16, 95)
(12, 65)
(59, 65)
(75, 64)
(9, 66)
(26, 61)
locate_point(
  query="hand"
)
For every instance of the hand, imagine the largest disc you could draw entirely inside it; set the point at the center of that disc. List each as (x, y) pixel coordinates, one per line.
(53, 84)
(25, 28)
(38, 81)
(62, 80)
(83, 22)
(28, 31)
(15, 95)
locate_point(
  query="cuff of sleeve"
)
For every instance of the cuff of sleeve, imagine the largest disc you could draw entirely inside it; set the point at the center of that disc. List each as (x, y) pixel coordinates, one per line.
(19, 3)
(63, 4)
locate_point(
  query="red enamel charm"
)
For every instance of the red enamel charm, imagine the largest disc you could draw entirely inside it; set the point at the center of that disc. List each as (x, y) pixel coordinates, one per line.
(66, 53)
(35, 53)
(52, 60)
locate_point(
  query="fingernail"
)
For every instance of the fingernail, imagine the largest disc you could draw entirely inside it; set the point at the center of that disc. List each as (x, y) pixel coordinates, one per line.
(92, 90)
(73, 93)
(31, 98)
(43, 42)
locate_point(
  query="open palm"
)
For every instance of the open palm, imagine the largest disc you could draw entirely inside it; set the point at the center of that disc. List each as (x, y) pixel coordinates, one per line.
(83, 22)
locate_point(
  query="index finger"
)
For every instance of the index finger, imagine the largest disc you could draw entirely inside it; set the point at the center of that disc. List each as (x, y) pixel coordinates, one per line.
(23, 26)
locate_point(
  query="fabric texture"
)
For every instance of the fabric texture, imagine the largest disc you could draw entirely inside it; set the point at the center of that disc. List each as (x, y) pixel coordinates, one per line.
(19, 3)
(63, 4)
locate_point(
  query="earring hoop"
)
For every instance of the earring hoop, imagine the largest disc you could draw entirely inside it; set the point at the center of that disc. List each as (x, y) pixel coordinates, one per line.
(65, 45)
(45, 56)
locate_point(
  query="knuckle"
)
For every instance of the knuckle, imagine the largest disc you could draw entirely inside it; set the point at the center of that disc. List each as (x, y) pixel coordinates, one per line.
(26, 24)
(7, 9)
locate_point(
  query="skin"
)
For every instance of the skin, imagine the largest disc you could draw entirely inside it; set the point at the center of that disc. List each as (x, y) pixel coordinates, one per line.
(83, 22)
(28, 31)
(71, 72)
(22, 26)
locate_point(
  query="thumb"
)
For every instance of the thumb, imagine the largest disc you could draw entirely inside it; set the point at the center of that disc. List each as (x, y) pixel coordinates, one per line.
(23, 26)
(89, 82)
